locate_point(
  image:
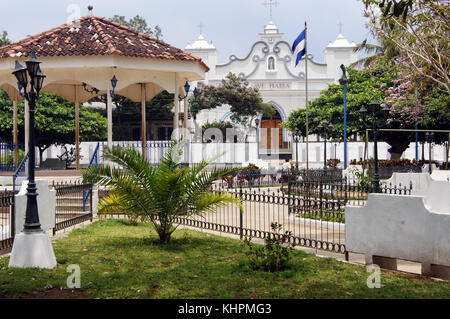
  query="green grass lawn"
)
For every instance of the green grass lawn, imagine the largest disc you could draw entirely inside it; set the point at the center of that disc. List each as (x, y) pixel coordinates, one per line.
(119, 260)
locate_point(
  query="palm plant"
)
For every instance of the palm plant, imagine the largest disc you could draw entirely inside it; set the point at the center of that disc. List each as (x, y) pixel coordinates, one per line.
(374, 53)
(159, 194)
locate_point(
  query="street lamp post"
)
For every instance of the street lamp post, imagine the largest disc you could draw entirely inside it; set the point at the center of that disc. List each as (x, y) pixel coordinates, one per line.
(325, 128)
(375, 125)
(32, 247)
(429, 137)
(32, 223)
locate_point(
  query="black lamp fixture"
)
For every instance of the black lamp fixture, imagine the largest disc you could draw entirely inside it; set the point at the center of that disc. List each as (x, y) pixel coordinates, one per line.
(93, 90)
(20, 72)
(375, 105)
(36, 82)
(113, 84)
(187, 87)
(195, 93)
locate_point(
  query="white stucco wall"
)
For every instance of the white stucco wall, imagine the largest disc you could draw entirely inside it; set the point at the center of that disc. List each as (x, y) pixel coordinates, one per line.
(403, 227)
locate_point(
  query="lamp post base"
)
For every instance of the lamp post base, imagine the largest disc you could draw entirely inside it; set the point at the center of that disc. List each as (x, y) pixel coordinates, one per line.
(32, 250)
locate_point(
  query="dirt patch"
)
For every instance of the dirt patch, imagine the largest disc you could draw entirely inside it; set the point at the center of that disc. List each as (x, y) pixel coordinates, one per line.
(56, 294)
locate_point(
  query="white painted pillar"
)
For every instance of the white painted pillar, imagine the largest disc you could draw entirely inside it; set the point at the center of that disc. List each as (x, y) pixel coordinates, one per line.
(15, 134)
(109, 117)
(176, 106)
(143, 120)
(77, 128)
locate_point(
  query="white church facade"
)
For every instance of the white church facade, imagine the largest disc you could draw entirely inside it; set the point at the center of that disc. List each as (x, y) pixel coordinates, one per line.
(270, 67)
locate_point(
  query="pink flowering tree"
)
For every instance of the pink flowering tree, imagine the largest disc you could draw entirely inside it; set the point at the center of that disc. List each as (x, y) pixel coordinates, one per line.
(420, 31)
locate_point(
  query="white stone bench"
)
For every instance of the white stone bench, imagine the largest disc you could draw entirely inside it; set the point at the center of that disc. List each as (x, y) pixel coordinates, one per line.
(414, 228)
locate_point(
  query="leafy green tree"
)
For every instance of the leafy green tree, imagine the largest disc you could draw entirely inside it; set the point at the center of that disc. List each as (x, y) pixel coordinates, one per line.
(221, 125)
(139, 24)
(362, 88)
(4, 39)
(55, 122)
(159, 108)
(159, 194)
(246, 102)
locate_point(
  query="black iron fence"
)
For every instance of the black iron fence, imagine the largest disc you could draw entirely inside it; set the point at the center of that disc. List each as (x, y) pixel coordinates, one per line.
(249, 178)
(351, 190)
(72, 208)
(6, 218)
(311, 206)
(312, 222)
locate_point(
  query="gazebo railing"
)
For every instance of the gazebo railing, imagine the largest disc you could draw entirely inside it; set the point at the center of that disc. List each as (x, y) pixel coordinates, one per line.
(154, 150)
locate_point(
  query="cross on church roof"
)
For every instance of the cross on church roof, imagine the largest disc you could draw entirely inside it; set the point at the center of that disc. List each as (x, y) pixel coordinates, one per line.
(201, 27)
(271, 4)
(340, 25)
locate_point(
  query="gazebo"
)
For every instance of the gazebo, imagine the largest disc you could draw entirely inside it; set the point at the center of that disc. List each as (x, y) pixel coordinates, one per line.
(83, 58)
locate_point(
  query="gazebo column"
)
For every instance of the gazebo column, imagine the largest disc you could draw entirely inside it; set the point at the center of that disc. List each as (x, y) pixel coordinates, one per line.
(185, 118)
(144, 120)
(15, 134)
(109, 103)
(176, 107)
(77, 128)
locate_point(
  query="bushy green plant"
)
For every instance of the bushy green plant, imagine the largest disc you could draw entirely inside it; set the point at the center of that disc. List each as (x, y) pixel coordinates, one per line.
(275, 254)
(364, 178)
(159, 194)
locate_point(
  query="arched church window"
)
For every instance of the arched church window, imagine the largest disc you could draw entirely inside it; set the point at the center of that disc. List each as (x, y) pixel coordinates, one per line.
(271, 63)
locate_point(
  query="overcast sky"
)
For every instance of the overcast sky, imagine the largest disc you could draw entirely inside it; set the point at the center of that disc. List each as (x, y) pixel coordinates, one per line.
(232, 25)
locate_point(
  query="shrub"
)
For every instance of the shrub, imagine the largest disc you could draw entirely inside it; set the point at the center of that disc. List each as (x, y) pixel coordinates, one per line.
(275, 254)
(159, 194)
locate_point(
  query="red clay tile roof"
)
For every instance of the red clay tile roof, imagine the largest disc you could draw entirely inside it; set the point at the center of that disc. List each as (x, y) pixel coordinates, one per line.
(97, 36)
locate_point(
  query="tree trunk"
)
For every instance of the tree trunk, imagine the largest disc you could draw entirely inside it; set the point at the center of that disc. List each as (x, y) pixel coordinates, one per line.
(164, 238)
(41, 154)
(399, 143)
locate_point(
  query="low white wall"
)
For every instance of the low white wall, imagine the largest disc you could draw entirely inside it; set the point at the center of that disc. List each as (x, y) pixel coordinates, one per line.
(233, 153)
(402, 227)
(420, 181)
(46, 205)
(441, 175)
(355, 150)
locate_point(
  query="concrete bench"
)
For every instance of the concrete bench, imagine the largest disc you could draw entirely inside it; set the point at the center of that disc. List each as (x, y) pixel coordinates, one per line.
(413, 228)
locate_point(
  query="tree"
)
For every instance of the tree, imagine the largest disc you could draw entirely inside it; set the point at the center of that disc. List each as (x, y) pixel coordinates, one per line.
(139, 24)
(420, 30)
(386, 50)
(159, 194)
(55, 122)
(221, 125)
(4, 39)
(160, 107)
(246, 102)
(362, 88)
